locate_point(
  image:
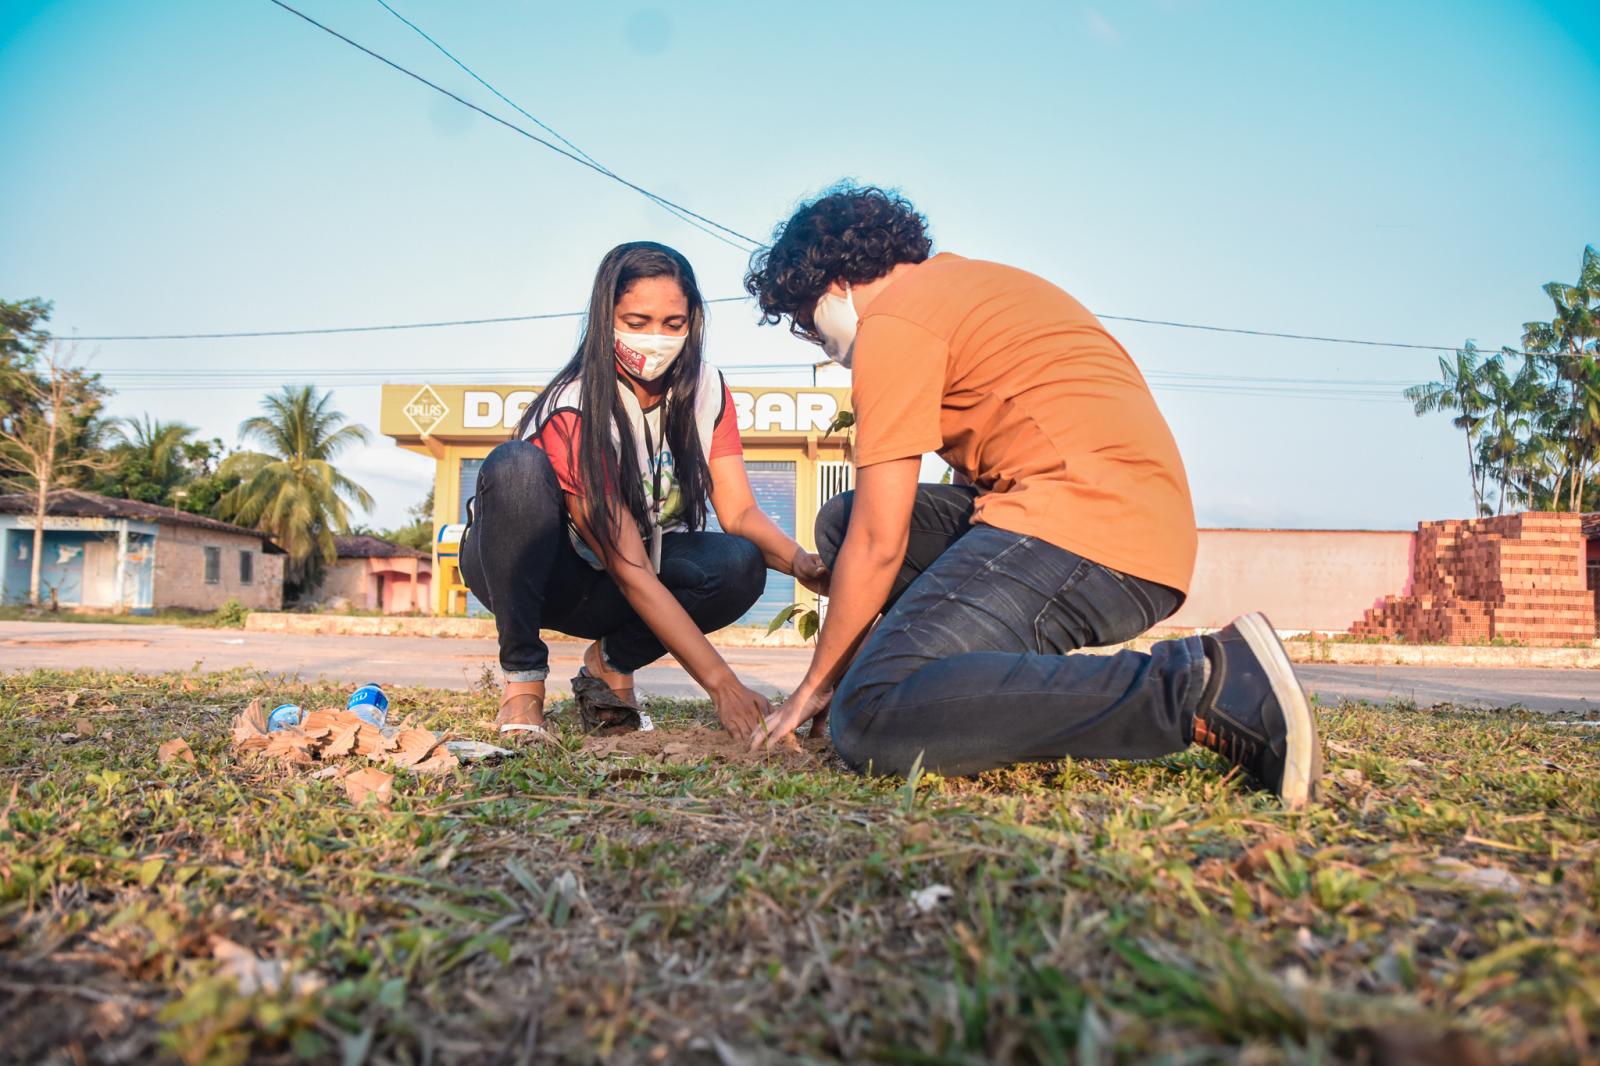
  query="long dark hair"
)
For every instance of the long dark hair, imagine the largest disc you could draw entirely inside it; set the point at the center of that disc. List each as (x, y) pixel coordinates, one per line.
(609, 475)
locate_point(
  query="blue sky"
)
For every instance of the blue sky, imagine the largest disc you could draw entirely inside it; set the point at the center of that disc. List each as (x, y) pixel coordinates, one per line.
(1406, 171)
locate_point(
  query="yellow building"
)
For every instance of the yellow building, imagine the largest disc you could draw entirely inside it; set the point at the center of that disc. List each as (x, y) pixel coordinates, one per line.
(795, 464)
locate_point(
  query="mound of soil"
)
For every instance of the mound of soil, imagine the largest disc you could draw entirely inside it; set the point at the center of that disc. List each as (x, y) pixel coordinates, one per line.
(697, 744)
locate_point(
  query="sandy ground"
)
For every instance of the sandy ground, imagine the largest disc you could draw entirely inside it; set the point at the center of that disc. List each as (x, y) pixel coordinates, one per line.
(447, 663)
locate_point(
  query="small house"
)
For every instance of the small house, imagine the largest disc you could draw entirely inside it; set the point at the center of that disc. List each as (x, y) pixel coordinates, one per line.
(106, 554)
(373, 574)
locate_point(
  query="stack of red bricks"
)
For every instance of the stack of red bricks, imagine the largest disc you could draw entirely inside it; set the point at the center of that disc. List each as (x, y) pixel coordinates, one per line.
(1515, 578)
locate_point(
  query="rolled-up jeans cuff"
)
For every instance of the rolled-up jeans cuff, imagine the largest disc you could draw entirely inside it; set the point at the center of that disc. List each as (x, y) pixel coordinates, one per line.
(525, 675)
(605, 659)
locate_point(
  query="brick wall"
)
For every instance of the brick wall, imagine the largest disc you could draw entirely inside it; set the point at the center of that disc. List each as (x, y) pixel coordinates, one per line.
(181, 570)
(1514, 577)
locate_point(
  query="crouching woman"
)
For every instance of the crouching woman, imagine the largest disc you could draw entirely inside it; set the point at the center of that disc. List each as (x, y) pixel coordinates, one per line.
(591, 521)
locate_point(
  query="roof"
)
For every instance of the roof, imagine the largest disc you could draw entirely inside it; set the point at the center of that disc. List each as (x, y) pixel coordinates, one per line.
(1591, 524)
(75, 503)
(363, 546)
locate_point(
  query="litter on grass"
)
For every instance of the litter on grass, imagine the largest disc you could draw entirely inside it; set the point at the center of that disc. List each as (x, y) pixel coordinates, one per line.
(333, 733)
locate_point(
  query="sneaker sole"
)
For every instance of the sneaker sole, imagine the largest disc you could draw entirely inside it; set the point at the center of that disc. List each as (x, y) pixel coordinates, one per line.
(1302, 771)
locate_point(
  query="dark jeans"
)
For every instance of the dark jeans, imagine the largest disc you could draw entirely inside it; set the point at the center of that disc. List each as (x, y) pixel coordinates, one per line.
(517, 557)
(969, 670)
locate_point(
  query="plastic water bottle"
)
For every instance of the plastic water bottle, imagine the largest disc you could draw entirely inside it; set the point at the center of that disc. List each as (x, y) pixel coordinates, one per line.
(282, 717)
(369, 704)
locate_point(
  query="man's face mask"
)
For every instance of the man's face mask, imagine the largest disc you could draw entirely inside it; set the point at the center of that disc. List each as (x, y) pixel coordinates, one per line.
(835, 320)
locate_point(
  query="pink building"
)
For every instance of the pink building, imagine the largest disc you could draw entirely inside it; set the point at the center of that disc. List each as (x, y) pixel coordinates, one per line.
(373, 574)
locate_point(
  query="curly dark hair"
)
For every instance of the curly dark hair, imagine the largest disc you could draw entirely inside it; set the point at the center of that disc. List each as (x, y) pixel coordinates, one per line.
(851, 233)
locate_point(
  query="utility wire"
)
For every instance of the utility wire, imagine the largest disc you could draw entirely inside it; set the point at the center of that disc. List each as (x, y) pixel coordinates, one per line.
(575, 157)
(738, 299)
(552, 132)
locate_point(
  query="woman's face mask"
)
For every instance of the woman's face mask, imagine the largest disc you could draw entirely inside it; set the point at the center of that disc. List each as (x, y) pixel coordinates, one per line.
(647, 356)
(835, 321)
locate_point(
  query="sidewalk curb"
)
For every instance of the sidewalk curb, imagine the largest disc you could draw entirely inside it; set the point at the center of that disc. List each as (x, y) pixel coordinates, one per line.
(1333, 653)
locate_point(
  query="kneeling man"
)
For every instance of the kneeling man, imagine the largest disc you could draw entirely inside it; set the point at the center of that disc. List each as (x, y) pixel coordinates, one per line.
(1071, 526)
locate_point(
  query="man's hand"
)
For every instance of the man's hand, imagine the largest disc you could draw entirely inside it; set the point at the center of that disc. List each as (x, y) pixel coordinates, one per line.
(810, 571)
(804, 706)
(740, 710)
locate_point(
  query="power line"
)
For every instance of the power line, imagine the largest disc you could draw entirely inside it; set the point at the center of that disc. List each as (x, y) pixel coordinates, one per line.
(241, 334)
(548, 129)
(576, 158)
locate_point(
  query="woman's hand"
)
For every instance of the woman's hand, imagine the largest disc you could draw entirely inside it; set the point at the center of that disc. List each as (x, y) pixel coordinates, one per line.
(739, 709)
(810, 571)
(806, 705)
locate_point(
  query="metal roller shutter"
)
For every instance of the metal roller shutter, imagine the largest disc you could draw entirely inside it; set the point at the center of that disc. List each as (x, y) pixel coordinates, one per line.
(774, 485)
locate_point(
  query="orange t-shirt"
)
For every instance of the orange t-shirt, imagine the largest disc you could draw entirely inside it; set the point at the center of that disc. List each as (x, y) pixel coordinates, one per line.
(1021, 390)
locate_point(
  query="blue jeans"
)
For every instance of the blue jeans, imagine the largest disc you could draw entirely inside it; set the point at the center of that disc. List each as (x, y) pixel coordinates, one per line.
(969, 667)
(517, 558)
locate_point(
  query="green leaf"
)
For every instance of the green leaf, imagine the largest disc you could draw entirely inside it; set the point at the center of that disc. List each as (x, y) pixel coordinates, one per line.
(783, 616)
(150, 870)
(808, 625)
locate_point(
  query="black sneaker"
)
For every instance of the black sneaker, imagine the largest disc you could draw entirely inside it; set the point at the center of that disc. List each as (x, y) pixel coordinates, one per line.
(1255, 713)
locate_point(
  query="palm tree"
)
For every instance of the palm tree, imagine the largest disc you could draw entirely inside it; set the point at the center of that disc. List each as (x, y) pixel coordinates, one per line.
(1460, 390)
(1567, 348)
(291, 488)
(1513, 420)
(159, 444)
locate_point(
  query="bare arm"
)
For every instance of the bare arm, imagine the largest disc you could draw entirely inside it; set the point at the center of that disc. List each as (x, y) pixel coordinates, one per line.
(628, 563)
(874, 549)
(739, 514)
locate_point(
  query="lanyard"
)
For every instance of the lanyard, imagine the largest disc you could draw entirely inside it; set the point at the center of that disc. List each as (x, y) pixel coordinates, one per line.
(654, 459)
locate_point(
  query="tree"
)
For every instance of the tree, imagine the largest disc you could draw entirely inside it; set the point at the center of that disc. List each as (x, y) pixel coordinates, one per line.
(291, 489)
(50, 413)
(1459, 391)
(1566, 347)
(151, 460)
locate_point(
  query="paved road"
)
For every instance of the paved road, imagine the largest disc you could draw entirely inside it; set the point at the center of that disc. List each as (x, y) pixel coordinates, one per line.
(447, 663)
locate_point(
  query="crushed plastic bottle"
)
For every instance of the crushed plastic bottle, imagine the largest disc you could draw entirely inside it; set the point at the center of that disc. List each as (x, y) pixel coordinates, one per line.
(369, 704)
(283, 716)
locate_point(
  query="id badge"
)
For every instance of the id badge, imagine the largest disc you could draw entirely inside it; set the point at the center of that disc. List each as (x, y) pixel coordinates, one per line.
(655, 548)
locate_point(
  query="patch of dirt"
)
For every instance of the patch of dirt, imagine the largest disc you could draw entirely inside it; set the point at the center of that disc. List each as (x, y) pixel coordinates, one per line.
(701, 744)
(88, 642)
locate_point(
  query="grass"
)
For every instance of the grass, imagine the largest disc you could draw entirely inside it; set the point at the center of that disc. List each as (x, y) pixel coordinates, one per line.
(230, 615)
(1441, 905)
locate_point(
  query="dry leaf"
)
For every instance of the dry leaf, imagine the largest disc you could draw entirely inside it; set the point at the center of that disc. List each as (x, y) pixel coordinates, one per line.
(106, 708)
(330, 773)
(369, 782)
(1255, 861)
(441, 761)
(72, 699)
(412, 746)
(370, 740)
(84, 726)
(177, 748)
(327, 721)
(342, 742)
(928, 899)
(290, 746)
(250, 728)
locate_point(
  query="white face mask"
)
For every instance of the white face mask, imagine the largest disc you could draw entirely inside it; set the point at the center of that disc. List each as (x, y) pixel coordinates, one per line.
(647, 355)
(835, 321)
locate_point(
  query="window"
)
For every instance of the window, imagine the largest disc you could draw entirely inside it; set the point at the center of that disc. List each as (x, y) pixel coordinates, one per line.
(213, 565)
(247, 568)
